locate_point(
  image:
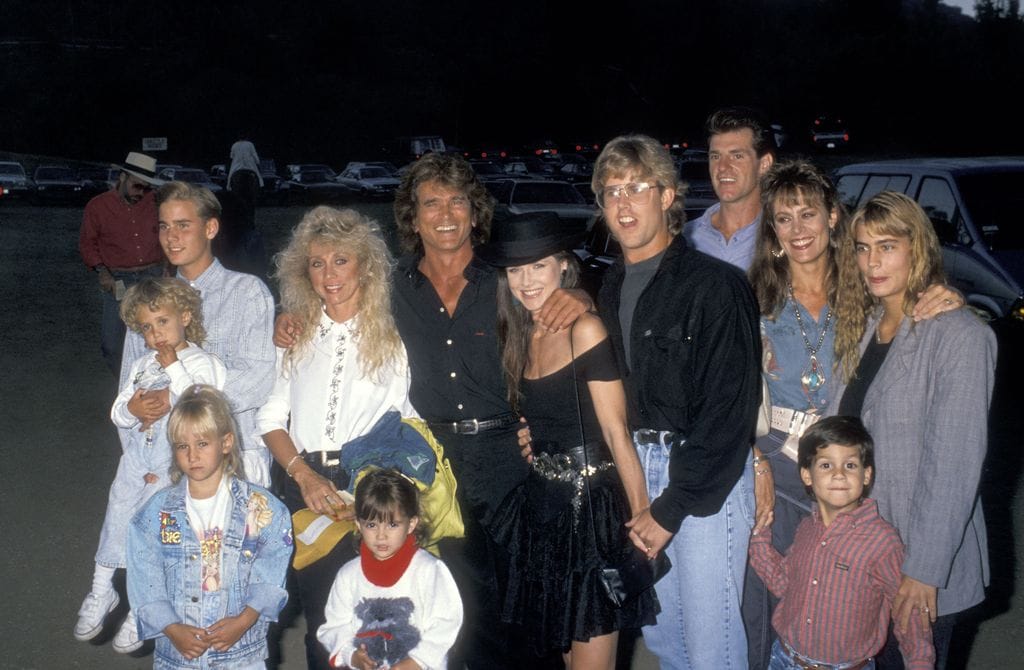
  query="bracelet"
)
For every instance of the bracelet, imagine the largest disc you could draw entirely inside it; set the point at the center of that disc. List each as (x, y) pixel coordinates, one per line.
(288, 468)
(757, 461)
(760, 472)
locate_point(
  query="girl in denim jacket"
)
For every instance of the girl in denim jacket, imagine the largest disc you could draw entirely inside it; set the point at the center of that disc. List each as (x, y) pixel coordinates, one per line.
(207, 556)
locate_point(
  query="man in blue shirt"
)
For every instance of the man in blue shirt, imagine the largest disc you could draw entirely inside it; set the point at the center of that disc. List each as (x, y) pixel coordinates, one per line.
(741, 148)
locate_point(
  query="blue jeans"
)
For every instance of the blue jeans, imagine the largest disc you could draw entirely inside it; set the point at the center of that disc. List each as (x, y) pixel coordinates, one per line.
(782, 661)
(700, 625)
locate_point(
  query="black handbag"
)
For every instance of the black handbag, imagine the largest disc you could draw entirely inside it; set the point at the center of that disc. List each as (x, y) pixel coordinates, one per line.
(633, 575)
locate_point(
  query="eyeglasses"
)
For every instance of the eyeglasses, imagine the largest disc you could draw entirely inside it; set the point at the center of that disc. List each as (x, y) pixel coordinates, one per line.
(637, 192)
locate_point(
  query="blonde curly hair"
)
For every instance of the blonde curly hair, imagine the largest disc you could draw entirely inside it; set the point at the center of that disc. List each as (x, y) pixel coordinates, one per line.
(887, 213)
(342, 229)
(168, 293)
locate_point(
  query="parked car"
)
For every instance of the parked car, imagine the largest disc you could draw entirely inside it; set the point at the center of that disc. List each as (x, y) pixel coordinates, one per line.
(56, 184)
(596, 255)
(829, 133)
(368, 181)
(488, 170)
(294, 169)
(96, 180)
(530, 167)
(975, 205)
(693, 170)
(518, 196)
(13, 180)
(575, 167)
(390, 167)
(196, 176)
(219, 174)
(314, 185)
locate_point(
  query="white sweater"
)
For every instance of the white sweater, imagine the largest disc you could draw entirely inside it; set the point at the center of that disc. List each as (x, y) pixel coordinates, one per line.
(437, 613)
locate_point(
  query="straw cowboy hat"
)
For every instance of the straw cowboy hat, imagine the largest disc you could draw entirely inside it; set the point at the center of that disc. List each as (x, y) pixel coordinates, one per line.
(141, 166)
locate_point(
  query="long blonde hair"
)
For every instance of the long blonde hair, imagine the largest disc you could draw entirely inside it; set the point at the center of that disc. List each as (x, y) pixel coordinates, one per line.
(341, 229)
(887, 213)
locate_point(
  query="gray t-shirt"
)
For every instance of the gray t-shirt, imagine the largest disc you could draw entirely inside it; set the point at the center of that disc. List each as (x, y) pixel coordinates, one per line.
(637, 276)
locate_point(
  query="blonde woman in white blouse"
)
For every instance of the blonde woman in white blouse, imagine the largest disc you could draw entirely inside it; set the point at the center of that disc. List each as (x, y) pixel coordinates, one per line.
(345, 370)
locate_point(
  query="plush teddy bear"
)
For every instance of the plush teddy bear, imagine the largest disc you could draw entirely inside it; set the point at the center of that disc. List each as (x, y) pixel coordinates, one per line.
(386, 631)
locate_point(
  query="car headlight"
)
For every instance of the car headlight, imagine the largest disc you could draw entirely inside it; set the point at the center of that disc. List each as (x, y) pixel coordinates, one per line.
(1017, 310)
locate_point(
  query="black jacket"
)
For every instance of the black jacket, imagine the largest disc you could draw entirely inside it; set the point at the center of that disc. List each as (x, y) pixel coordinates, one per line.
(695, 370)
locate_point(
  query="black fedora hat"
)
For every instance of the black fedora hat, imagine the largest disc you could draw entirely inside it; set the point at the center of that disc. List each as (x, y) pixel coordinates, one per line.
(525, 238)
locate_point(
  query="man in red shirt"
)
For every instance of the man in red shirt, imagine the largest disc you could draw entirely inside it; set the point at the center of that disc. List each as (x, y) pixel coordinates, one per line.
(119, 242)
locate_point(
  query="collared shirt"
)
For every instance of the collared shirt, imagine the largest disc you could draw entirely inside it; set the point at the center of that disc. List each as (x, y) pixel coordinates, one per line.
(238, 314)
(836, 586)
(456, 374)
(324, 400)
(120, 235)
(737, 250)
(785, 358)
(456, 369)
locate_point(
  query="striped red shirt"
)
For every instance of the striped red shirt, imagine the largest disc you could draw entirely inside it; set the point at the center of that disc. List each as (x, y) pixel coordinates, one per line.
(836, 586)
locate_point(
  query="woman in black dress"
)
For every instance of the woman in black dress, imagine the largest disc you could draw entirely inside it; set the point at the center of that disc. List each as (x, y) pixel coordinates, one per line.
(567, 521)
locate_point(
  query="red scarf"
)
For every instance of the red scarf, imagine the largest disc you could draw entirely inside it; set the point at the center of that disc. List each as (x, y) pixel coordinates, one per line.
(388, 571)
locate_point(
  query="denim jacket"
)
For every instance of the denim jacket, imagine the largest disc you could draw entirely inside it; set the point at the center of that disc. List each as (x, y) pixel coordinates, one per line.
(165, 565)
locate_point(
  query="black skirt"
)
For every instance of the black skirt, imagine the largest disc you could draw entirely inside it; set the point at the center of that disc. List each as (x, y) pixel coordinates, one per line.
(554, 592)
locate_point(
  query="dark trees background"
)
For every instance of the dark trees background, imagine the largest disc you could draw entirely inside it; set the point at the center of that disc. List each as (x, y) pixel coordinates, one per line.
(331, 81)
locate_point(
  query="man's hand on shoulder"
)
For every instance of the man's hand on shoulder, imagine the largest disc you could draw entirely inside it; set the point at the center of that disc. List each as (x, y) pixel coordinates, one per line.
(563, 307)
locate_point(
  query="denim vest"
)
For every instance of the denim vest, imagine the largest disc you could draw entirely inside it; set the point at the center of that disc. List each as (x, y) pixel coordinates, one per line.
(165, 572)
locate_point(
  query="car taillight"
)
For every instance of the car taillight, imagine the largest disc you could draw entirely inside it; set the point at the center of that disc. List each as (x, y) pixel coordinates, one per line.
(846, 137)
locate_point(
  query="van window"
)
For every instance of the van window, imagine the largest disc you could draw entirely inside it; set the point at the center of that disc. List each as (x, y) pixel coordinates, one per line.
(849, 187)
(994, 201)
(937, 200)
(884, 182)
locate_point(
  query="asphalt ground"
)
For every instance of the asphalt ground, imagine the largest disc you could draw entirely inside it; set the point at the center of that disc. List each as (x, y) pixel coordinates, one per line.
(59, 452)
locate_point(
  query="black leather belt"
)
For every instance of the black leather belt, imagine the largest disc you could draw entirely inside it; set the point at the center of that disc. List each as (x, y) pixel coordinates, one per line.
(325, 459)
(473, 426)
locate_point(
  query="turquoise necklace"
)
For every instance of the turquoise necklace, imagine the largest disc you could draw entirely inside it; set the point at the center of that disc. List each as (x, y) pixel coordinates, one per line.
(812, 378)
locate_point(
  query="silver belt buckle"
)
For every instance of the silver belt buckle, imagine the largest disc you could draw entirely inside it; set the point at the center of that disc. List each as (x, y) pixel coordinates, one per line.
(468, 426)
(648, 436)
(328, 462)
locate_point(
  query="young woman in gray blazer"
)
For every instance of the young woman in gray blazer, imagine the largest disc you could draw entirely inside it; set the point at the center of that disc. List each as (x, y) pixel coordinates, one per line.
(923, 390)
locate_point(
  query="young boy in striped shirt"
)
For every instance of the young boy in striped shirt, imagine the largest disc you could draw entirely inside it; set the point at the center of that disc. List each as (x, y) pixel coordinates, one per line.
(837, 582)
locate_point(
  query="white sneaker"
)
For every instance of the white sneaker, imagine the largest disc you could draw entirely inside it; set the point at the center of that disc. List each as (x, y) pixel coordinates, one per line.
(92, 613)
(127, 639)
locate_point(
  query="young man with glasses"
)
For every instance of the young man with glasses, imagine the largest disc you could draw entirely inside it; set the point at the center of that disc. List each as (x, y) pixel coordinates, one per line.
(118, 241)
(685, 331)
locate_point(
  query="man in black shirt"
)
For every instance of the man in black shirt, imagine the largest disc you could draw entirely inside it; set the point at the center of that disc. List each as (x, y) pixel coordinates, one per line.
(685, 331)
(446, 311)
